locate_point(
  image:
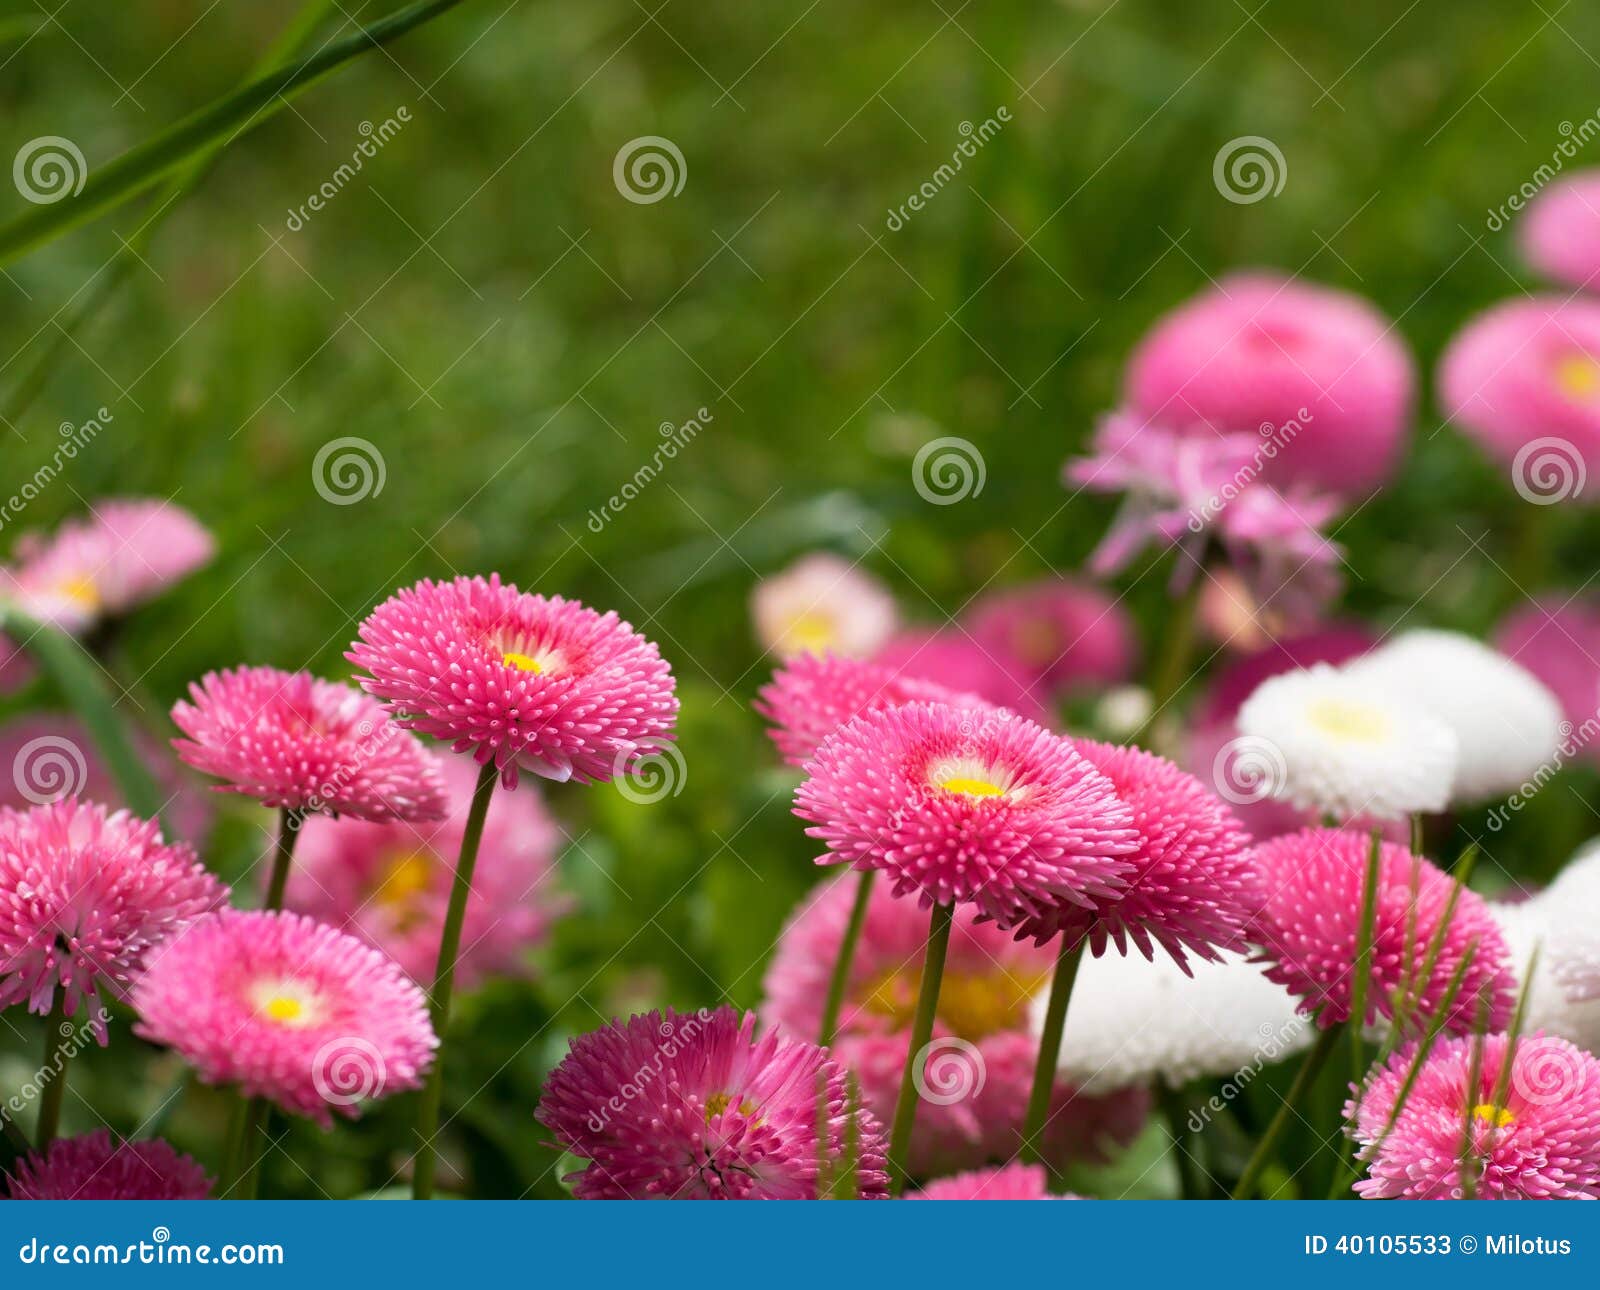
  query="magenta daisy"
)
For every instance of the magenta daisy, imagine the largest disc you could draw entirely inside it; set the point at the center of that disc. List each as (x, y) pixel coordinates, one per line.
(1068, 634)
(1192, 884)
(306, 745)
(288, 1009)
(1560, 234)
(518, 680)
(1312, 887)
(957, 661)
(390, 883)
(979, 1064)
(126, 552)
(1534, 1137)
(97, 1167)
(1011, 1182)
(85, 895)
(967, 807)
(693, 1106)
(811, 696)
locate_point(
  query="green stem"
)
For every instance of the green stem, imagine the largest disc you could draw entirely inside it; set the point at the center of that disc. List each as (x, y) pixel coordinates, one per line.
(1303, 1080)
(1192, 1181)
(1068, 957)
(840, 980)
(444, 981)
(220, 122)
(54, 1093)
(1167, 678)
(289, 823)
(905, 1107)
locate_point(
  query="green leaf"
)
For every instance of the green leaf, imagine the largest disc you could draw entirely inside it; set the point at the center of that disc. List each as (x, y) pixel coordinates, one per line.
(219, 123)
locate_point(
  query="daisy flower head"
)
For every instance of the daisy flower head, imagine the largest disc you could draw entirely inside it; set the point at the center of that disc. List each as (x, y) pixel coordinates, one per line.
(1506, 722)
(1560, 232)
(822, 604)
(98, 1167)
(521, 681)
(1010, 1182)
(127, 551)
(1538, 1139)
(965, 807)
(1313, 887)
(287, 1009)
(1344, 746)
(86, 895)
(1555, 993)
(1191, 887)
(696, 1106)
(812, 695)
(390, 883)
(1068, 634)
(1260, 349)
(1523, 380)
(976, 1072)
(1558, 640)
(302, 744)
(1134, 1020)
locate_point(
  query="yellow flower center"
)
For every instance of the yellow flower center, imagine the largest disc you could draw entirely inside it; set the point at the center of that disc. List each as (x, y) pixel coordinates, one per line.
(717, 1103)
(1500, 1117)
(1578, 377)
(971, 787)
(1037, 642)
(972, 1005)
(522, 662)
(1346, 720)
(80, 590)
(285, 1002)
(408, 875)
(283, 1008)
(809, 633)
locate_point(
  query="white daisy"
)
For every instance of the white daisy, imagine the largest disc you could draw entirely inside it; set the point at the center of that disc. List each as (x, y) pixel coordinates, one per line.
(1132, 1020)
(819, 604)
(1507, 723)
(1347, 746)
(1563, 921)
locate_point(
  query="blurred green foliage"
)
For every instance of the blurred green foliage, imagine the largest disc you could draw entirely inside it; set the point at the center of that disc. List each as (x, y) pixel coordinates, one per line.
(483, 305)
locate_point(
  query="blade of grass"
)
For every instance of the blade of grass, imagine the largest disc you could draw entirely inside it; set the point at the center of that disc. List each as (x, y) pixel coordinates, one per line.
(292, 40)
(1365, 935)
(1410, 997)
(220, 122)
(78, 678)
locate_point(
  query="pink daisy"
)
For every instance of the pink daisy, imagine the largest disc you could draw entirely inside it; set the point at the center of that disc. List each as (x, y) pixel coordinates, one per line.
(518, 680)
(1067, 634)
(812, 695)
(1312, 885)
(85, 895)
(693, 1106)
(95, 1167)
(962, 806)
(822, 604)
(288, 1009)
(306, 745)
(956, 660)
(1260, 350)
(979, 1065)
(1538, 1140)
(1011, 1182)
(1560, 233)
(390, 883)
(126, 552)
(1525, 374)
(1192, 885)
(1557, 638)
